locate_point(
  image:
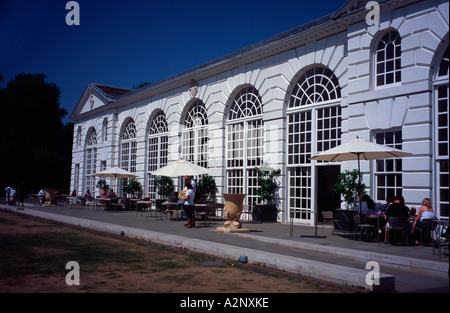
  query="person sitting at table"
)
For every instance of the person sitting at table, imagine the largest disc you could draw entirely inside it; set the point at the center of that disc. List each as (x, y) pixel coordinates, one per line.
(402, 201)
(368, 206)
(87, 197)
(189, 205)
(425, 213)
(395, 209)
(111, 194)
(73, 198)
(387, 204)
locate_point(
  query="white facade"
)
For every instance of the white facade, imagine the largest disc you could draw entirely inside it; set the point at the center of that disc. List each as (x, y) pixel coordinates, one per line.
(285, 99)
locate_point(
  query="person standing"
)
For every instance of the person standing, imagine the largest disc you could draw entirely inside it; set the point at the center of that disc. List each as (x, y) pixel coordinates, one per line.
(21, 193)
(189, 205)
(8, 193)
(188, 179)
(41, 196)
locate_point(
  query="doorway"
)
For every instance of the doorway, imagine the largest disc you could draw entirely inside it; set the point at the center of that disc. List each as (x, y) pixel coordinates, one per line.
(327, 199)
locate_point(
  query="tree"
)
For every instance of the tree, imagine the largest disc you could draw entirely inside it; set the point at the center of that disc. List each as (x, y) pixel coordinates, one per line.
(348, 186)
(206, 188)
(267, 183)
(164, 185)
(132, 187)
(35, 145)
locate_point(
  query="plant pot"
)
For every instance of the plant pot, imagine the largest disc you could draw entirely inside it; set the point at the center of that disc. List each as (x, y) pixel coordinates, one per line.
(343, 220)
(234, 204)
(265, 213)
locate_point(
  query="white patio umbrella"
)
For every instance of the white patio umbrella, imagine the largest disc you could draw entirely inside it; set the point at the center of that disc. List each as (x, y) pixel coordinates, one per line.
(115, 172)
(180, 168)
(359, 149)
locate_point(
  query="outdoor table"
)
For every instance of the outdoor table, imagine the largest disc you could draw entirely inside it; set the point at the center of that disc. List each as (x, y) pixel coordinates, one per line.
(379, 221)
(172, 207)
(98, 202)
(109, 202)
(205, 209)
(142, 204)
(132, 203)
(148, 205)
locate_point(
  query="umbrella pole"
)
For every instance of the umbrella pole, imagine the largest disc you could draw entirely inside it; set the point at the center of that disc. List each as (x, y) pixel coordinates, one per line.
(360, 191)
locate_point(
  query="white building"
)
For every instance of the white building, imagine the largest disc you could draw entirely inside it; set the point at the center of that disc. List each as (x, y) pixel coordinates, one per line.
(284, 99)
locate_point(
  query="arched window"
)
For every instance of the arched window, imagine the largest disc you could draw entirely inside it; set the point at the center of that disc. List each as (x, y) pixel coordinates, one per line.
(388, 59)
(246, 104)
(157, 148)
(318, 84)
(441, 128)
(128, 148)
(195, 135)
(90, 161)
(314, 125)
(244, 143)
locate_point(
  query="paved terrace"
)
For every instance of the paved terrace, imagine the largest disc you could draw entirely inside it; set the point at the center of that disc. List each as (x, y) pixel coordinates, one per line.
(336, 258)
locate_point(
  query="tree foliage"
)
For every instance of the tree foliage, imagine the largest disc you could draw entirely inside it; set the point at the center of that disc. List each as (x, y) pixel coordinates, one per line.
(267, 183)
(35, 145)
(348, 186)
(164, 185)
(206, 188)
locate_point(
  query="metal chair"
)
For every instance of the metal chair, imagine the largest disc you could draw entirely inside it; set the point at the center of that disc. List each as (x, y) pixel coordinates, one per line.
(440, 236)
(328, 219)
(363, 228)
(219, 207)
(426, 229)
(120, 205)
(399, 224)
(247, 210)
(205, 211)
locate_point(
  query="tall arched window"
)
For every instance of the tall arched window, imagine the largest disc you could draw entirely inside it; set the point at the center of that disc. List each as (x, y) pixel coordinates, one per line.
(90, 161)
(195, 135)
(244, 143)
(128, 148)
(441, 128)
(388, 59)
(314, 125)
(157, 148)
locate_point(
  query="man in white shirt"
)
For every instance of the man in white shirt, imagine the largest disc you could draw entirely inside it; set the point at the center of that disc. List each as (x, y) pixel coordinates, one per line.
(187, 179)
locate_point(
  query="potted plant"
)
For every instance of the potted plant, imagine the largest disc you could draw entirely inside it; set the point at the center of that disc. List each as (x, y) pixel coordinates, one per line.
(266, 179)
(164, 187)
(206, 188)
(103, 186)
(132, 187)
(349, 187)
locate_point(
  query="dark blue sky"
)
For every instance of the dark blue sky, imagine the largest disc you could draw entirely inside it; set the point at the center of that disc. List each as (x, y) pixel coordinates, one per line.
(124, 43)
